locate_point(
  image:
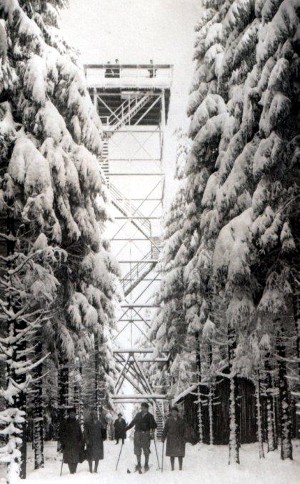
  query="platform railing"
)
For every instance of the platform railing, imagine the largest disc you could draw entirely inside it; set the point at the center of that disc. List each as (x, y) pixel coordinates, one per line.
(138, 71)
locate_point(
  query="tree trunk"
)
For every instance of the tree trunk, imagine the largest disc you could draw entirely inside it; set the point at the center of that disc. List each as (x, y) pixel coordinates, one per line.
(15, 326)
(20, 403)
(38, 416)
(211, 399)
(97, 375)
(270, 423)
(275, 412)
(80, 411)
(259, 418)
(296, 304)
(234, 445)
(284, 401)
(211, 413)
(63, 389)
(198, 368)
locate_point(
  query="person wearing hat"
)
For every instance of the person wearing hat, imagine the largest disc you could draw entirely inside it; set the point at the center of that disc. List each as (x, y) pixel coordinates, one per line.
(120, 426)
(174, 432)
(145, 425)
(94, 433)
(71, 440)
(116, 69)
(152, 70)
(108, 70)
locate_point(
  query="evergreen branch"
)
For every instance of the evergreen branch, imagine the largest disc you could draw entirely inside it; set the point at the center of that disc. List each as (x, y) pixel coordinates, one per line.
(25, 369)
(9, 238)
(5, 351)
(27, 259)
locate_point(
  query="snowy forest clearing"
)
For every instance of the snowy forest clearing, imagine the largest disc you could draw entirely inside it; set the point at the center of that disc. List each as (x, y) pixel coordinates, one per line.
(220, 334)
(204, 464)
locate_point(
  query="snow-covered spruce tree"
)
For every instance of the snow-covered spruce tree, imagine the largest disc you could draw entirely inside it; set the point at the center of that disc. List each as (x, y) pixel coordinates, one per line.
(229, 107)
(168, 329)
(276, 198)
(98, 275)
(52, 137)
(210, 122)
(27, 286)
(266, 144)
(28, 290)
(225, 129)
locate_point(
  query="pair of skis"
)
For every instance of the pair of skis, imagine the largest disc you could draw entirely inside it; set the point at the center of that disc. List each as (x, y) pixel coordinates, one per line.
(139, 470)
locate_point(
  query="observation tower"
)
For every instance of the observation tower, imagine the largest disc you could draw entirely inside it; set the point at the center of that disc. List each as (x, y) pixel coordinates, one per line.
(133, 104)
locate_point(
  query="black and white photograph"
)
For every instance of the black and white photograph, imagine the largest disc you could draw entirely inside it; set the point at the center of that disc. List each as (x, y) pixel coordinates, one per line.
(150, 241)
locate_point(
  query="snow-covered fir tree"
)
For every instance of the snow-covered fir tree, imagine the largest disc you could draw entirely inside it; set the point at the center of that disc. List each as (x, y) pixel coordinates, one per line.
(52, 185)
(241, 191)
(242, 263)
(168, 327)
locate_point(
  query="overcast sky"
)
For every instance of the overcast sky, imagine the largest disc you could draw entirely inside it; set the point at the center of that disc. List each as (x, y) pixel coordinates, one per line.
(135, 31)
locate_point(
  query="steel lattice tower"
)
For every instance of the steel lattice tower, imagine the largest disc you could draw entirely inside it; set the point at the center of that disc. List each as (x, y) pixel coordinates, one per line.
(133, 104)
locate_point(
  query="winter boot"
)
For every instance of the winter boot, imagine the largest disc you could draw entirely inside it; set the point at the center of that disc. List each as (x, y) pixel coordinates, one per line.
(172, 459)
(96, 466)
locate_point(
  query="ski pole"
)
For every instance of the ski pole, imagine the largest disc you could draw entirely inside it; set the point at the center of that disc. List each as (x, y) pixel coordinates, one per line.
(61, 467)
(119, 456)
(162, 457)
(156, 453)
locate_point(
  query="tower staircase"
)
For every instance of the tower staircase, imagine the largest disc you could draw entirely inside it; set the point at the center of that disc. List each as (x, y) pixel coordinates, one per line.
(138, 272)
(159, 417)
(120, 117)
(128, 109)
(129, 211)
(105, 160)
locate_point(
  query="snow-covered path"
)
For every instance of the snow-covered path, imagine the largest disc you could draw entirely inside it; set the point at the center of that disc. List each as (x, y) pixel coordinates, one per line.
(202, 465)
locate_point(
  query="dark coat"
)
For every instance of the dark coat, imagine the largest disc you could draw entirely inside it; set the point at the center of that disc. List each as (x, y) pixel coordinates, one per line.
(174, 433)
(94, 440)
(120, 426)
(143, 422)
(71, 440)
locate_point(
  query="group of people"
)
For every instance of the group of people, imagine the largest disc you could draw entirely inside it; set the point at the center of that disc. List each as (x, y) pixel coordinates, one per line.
(174, 433)
(78, 446)
(114, 71)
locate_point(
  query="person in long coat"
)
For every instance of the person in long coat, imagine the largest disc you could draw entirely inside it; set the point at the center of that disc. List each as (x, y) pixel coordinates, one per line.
(71, 440)
(174, 432)
(120, 426)
(93, 434)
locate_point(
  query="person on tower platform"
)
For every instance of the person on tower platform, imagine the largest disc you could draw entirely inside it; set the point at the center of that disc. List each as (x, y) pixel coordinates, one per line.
(116, 69)
(109, 72)
(152, 70)
(145, 425)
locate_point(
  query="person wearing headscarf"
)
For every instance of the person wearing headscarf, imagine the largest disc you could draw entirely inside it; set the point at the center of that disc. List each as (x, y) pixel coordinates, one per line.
(174, 433)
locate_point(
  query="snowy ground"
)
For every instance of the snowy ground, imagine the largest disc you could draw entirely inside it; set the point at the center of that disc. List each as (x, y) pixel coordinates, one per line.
(203, 465)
